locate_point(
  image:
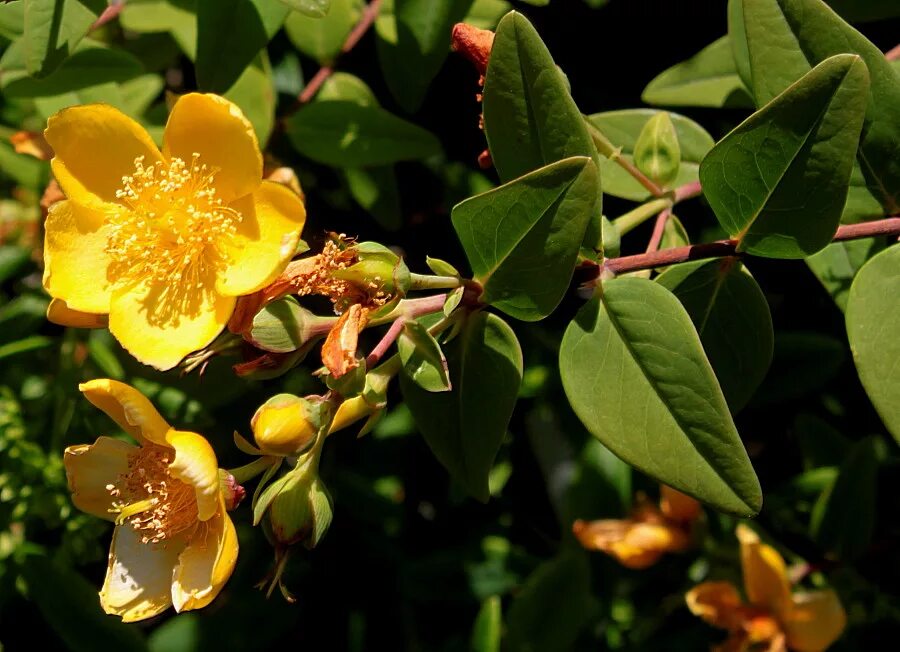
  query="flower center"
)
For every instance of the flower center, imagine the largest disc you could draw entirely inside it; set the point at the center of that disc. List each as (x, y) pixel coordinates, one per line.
(149, 499)
(172, 225)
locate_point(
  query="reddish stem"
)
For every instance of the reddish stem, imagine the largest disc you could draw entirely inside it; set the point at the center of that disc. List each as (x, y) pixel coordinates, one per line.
(893, 54)
(659, 227)
(382, 347)
(114, 9)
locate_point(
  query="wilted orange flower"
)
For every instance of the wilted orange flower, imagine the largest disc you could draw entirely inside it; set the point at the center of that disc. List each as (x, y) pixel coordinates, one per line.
(163, 241)
(639, 541)
(774, 619)
(174, 543)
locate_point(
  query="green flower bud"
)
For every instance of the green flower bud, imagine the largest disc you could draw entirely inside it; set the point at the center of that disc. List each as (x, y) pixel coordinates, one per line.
(377, 268)
(657, 152)
(301, 512)
(284, 326)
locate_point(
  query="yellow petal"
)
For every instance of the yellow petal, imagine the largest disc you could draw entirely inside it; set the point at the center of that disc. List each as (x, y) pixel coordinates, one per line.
(195, 464)
(816, 620)
(129, 408)
(75, 258)
(138, 582)
(677, 506)
(206, 563)
(96, 145)
(90, 468)
(160, 330)
(60, 313)
(765, 575)
(718, 603)
(634, 545)
(267, 236)
(214, 128)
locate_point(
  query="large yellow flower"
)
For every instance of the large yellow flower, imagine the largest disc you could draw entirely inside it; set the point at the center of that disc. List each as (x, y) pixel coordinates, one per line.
(163, 242)
(174, 543)
(775, 619)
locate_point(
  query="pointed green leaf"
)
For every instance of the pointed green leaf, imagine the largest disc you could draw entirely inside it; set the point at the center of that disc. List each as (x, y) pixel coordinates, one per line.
(230, 33)
(413, 42)
(314, 8)
(346, 134)
(873, 322)
(843, 518)
(732, 318)
(737, 36)
(423, 360)
(485, 14)
(622, 129)
(488, 626)
(464, 427)
(530, 119)
(837, 264)
(522, 239)
(441, 267)
(53, 28)
(634, 370)
(321, 38)
(154, 16)
(779, 181)
(709, 78)
(788, 37)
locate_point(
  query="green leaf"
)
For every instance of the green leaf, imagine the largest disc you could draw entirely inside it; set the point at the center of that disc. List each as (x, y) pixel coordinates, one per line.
(530, 119)
(347, 87)
(441, 267)
(873, 322)
(314, 8)
(820, 443)
(778, 182)
(737, 36)
(861, 205)
(12, 20)
(732, 318)
(553, 606)
(90, 66)
(154, 16)
(322, 38)
(423, 360)
(709, 79)
(53, 28)
(254, 93)
(622, 129)
(139, 93)
(488, 627)
(522, 239)
(843, 518)
(230, 34)
(346, 134)
(375, 189)
(837, 264)
(788, 37)
(13, 259)
(802, 364)
(485, 14)
(865, 10)
(674, 234)
(633, 368)
(413, 41)
(70, 607)
(657, 152)
(25, 170)
(464, 427)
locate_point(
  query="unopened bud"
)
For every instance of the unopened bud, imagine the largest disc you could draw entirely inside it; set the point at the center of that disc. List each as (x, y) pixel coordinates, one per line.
(285, 425)
(301, 512)
(378, 269)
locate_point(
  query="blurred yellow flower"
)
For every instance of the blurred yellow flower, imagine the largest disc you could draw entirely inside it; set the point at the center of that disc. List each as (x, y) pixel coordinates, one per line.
(775, 619)
(174, 543)
(650, 532)
(163, 242)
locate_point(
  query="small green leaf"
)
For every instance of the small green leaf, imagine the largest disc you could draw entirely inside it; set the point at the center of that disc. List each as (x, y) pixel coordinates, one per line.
(52, 30)
(732, 318)
(837, 264)
(488, 627)
(345, 134)
(657, 152)
(322, 38)
(314, 8)
(413, 41)
(674, 234)
(230, 34)
(622, 129)
(633, 368)
(154, 16)
(873, 322)
(139, 93)
(843, 518)
(423, 360)
(779, 181)
(441, 267)
(375, 189)
(485, 14)
(530, 119)
(737, 36)
(464, 427)
(708, 79)
(788, 37)
(522, 239)
(820, 444)
(347, 87)
(453, 300)
(254, 93)
(12, 19)
(554, 605)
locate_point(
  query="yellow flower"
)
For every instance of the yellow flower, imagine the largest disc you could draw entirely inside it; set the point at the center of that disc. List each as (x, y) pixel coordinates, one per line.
(174, 543)
(775, 619)
(163, 242)
(640, 540)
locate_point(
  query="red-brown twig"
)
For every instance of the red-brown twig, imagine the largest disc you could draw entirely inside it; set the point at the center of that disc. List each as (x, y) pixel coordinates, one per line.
(114, 9)
(369, 14)
(887, 227)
